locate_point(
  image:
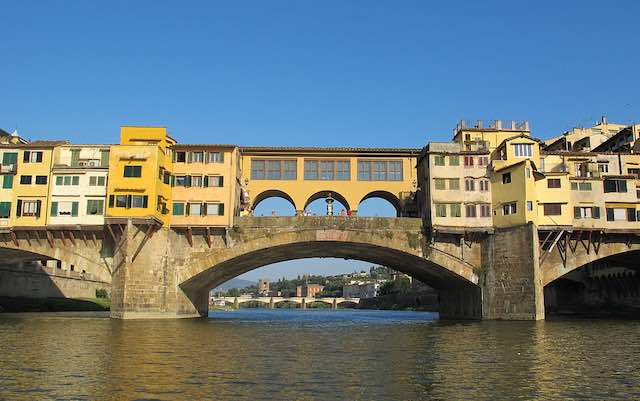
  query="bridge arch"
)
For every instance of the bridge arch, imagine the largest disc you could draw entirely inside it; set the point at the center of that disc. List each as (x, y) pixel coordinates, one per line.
(396, 249)
(386, 195)
(272, 193)
(325, 194)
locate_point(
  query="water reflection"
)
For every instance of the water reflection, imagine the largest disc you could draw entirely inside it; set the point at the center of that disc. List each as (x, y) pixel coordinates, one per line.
(291, 354)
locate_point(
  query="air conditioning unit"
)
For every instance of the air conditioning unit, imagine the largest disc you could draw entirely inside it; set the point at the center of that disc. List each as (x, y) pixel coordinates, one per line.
(82, 164)
(92, 163)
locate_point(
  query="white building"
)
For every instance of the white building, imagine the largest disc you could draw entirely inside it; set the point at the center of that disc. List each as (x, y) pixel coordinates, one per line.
(79, 185)
(364, 290)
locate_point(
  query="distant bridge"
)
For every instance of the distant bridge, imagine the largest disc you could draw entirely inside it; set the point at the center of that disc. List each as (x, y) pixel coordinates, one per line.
(273, 301)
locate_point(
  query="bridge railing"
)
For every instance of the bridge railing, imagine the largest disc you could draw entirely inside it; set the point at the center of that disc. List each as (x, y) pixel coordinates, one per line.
(342, 222)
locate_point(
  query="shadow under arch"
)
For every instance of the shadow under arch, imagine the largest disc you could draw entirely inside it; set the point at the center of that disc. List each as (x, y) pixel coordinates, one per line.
(460, 287)
(325, 194)
(388, 196)
(272, 193)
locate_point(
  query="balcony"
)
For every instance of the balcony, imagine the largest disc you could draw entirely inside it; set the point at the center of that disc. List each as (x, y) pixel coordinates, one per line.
(498, 125)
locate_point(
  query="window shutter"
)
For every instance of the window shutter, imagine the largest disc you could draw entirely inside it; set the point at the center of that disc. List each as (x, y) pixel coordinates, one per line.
(206, 181)
(54, 209)
(104, 158)
(129, 199)
(610, 216)
(631, 214)
(220, 181)
(38, 157)
(221, 157)
(173, 181)
(19, 208)
(188, 180)
(576, 212)
(595, 212)
(145, 201)
(188, 209)
(189, 157)
(75, 180)
(38, 207)
(111, 199)
(7, 181)
(623, 186)
(221, 209)
(25, 157)
(74, 209)
(203, 209)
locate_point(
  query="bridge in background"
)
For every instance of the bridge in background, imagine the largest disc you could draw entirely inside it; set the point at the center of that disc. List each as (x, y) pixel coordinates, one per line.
(273, 301)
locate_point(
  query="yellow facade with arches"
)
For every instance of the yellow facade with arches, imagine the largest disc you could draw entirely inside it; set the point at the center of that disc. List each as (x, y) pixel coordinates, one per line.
(348, 175)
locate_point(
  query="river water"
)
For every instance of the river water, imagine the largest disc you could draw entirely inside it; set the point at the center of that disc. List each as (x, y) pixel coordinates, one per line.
(258, 354)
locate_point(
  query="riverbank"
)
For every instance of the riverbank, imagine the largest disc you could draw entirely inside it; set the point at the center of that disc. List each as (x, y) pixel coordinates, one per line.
(407, 302)
(17, 304)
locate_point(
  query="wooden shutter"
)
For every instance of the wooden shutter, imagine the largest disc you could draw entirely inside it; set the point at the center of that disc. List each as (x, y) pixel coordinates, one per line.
(54, 209)
(19, 208)
(38, 208)
(221, 209)
(595, 212)
(74, 209)
(576, 213)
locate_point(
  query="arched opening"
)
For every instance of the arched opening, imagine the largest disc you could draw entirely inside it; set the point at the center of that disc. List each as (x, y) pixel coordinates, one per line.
(609, 286)
(380, 204)
(317, 204)
(455, 291)
(273, 203)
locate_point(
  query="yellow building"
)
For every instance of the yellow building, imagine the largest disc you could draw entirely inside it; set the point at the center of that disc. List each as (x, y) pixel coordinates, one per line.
(206, 185)
(349, 175)
(26, 183)
(140, 169)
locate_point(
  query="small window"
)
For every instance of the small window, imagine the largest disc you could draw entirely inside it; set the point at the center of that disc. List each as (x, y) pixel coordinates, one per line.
(215, 209)
(180, 157)
(139, 201)
(30, 208)
(67, 180)
(41, 180)
(121, 200)
(529, 206)
(195, 209)
(470, 210)
(25, 179)
(615, 186)
(454, 184)
(196, 181)
(454, 160)
(133, 171)
(509, 208)
(574, 186)
(468, 161)
(469, 184)
(440, 183)
(455, 210)
(178, 209)
(93, 181)
(483, 161)
(180, 181)
(552, 209)
(485, 210)
(215, 157)
(196, 157)
(603, 167)
(553, 183)
(484, 185)
(95, 207)
(102, 181)
(506, 178)
(59, 180)
(584, 186)
(75, 180)
(214, 181)
(441, 210)
(522, 149)
(438, 160)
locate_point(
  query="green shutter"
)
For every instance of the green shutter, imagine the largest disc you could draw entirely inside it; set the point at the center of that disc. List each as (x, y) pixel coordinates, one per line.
(145, 201)
(74, 209)
(19, 208)
(221, 210)
(5, 209)
(9, 158)
(595, 212)
(610, 215)
(7, 181)
(75, 180)
(178, 209)
(205, 181)
(58, 180)
(576, 212)
(75, 157)
(54, 209)
(104, 158)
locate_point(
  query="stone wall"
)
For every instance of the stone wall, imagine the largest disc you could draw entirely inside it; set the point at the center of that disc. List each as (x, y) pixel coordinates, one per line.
(511, 280)
(30, 280)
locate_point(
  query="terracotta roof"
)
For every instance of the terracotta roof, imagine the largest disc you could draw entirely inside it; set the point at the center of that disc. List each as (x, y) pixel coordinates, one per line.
(203, 145)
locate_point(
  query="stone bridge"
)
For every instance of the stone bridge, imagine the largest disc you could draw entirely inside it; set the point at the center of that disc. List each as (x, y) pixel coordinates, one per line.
(168, 272)
(272, 301)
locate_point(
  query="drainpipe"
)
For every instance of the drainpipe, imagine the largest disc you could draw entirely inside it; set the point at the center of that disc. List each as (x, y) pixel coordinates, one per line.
(620, 164)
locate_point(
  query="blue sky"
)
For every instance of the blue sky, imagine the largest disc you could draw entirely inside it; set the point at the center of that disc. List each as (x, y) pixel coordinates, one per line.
(312, 73)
